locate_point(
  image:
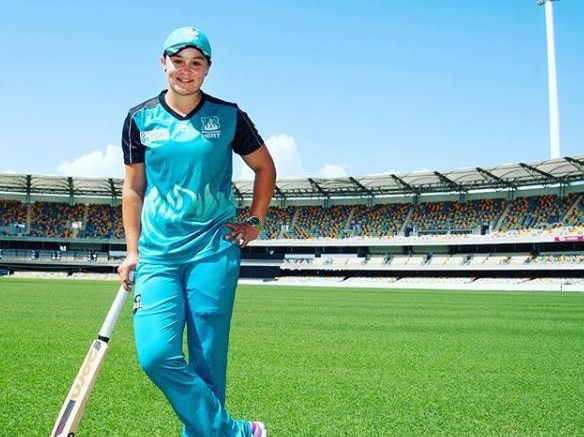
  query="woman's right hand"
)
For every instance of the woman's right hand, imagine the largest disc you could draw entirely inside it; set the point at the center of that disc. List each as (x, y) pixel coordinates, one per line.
(126, 270)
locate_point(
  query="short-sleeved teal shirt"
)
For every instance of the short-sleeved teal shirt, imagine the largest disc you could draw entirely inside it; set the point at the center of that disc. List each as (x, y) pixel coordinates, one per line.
(188, 166)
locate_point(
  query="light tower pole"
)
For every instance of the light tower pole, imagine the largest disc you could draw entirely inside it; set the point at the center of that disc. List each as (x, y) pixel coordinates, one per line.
(554, 112)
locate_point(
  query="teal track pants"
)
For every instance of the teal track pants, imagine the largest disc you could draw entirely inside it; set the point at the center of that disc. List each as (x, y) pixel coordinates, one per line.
(200, 296)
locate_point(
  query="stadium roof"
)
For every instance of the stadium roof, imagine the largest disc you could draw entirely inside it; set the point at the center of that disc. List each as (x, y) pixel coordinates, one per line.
(554, 172)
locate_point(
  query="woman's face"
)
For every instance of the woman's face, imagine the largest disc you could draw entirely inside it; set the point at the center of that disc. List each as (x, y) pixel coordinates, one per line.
(185, 71)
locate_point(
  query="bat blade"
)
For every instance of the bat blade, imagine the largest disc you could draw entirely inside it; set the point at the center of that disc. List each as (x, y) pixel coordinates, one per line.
(74, 405)
(72, 409)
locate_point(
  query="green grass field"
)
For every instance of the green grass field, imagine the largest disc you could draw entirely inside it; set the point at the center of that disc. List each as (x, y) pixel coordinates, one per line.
(315, 362)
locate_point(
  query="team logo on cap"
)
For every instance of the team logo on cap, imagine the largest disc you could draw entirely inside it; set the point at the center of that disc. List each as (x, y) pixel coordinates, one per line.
(210, 127)
(191, 33)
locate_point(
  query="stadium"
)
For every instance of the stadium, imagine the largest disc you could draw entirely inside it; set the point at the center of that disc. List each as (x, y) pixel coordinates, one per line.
(430, 303)
(517, 225)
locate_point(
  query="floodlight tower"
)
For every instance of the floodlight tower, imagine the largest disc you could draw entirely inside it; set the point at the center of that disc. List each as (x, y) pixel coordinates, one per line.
(554, 112)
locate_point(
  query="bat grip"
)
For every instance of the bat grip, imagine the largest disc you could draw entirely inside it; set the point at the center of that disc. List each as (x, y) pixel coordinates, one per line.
(113, 314)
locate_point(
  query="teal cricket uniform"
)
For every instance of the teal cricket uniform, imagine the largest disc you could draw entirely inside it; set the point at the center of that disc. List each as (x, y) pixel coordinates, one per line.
(187, 272)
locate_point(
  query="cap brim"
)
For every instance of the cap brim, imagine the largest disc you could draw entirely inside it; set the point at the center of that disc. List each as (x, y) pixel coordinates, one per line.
(171, 51)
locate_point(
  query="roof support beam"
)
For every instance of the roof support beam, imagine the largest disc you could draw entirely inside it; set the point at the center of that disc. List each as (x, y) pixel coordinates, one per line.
(112, 188)
(495, 178)
(71, 190)
(535, 170)
(362, 187)
(28, 188)
(579, 164)
(453, 185)
(279, 192)
(237, 193)
(315, 186)
(404, 184)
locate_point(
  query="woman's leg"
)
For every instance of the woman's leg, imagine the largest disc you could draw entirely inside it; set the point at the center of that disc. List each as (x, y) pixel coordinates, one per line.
(160, 316)
(211, 285)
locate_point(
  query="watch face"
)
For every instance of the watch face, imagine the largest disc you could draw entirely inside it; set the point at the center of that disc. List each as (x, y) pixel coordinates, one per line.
(254, 221)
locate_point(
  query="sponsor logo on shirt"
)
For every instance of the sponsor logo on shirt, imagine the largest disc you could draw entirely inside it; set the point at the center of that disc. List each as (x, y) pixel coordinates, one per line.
(210, 127)
(154, 135)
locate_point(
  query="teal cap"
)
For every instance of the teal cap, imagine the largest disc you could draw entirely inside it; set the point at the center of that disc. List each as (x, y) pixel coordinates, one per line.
(187, 37)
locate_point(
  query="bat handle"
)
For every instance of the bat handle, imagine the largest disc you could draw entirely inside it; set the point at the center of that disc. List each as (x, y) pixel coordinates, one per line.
(113, 314)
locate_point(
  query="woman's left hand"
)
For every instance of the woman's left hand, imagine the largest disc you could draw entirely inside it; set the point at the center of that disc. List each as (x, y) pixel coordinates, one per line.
(242, 233)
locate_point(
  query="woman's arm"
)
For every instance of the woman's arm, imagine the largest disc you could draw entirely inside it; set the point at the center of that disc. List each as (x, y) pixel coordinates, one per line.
(261, 163)
(264, 182)
(132, 201)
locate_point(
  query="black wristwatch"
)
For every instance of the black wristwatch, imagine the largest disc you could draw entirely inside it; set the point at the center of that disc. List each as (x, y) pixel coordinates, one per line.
(255, 221)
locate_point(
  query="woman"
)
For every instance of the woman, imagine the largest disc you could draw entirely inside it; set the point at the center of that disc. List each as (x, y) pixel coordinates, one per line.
(181, 237)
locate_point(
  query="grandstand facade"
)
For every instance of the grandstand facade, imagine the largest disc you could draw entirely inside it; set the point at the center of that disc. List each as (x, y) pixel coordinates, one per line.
(520, 221)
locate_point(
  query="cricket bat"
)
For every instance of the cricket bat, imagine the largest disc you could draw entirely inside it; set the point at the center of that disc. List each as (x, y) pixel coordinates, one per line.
(74, 405)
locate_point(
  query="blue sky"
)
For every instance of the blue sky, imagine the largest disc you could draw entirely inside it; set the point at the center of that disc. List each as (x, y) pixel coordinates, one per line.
(336, 88)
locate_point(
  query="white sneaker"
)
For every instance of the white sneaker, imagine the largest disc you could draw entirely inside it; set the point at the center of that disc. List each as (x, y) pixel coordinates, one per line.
(258, 429)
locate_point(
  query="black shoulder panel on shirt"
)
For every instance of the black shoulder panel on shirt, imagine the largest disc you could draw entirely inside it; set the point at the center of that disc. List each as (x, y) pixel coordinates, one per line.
(147, 104)
(247, 139)
(132, 148)
(217, 101)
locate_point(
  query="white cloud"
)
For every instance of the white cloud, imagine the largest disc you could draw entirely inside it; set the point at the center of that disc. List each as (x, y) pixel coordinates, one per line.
(288, 161)
(286, 158)
(96, 164)
(332, 171)
(109, 163)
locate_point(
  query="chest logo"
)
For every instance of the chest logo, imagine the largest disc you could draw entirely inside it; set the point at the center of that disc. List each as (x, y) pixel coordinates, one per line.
(210, 127)
(151, 136)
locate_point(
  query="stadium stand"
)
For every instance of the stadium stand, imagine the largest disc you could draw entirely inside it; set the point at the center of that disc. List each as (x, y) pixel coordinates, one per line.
(515, 223)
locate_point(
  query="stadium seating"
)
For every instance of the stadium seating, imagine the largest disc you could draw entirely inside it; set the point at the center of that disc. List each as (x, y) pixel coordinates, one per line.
(521, 216)
(447, 222)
